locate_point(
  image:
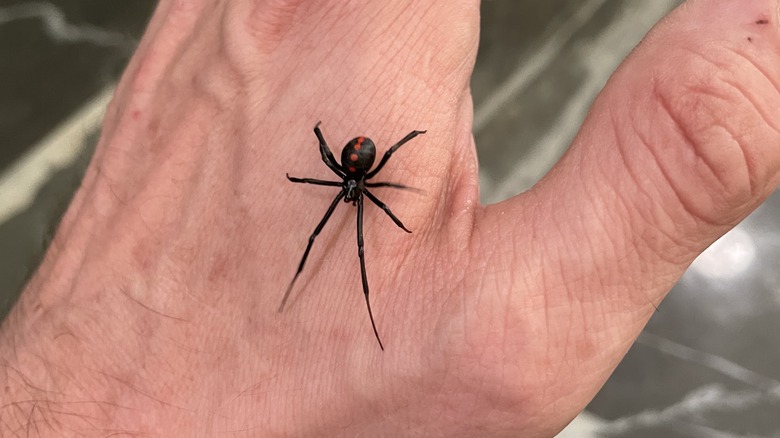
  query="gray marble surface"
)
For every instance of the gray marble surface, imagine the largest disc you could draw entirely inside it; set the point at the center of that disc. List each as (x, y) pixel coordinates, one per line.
(708, 363)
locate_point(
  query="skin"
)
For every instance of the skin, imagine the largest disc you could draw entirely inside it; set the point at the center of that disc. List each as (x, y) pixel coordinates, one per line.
(154, 311)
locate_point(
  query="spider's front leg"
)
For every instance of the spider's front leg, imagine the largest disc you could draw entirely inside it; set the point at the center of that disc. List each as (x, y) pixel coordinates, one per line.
(327, 155)
(318, 182)
(390, 151)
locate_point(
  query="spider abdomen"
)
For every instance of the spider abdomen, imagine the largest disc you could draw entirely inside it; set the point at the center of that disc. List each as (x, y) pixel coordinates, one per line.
(358, 155)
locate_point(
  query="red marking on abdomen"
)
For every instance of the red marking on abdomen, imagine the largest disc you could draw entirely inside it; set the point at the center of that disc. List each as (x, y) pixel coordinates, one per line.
(353, 157)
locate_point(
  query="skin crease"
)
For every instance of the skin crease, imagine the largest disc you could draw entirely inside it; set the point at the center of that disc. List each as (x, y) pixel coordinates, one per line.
(154, 311)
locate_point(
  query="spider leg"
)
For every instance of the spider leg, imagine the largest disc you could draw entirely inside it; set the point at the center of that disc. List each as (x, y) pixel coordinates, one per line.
(384, 207)
(392, 149)
(318, 182)
(327, 155)
(363, 266)
(308, 247)
(394, 185)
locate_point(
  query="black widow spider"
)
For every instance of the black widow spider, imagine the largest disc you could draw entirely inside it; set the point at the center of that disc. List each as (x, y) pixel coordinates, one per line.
(357, 157)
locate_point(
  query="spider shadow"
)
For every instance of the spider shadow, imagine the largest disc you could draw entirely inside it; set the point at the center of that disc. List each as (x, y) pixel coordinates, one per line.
(327, 239)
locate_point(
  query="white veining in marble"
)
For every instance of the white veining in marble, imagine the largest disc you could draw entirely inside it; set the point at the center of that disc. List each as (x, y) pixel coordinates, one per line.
(520, 79)
(530, 69)
(708, 398)
(708, 360)
(728, 258)
(58, 150)
(59, 29)
(599, 57)
(711, 398)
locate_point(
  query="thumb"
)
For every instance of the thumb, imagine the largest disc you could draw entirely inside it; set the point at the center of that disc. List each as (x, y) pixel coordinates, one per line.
(682, 144)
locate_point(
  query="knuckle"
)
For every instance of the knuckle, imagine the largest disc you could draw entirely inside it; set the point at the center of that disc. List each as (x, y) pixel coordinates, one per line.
(708, 133)
(268, 22)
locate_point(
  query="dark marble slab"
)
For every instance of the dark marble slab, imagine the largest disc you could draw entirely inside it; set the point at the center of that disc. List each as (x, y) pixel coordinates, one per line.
(709, 360)
(55, 55)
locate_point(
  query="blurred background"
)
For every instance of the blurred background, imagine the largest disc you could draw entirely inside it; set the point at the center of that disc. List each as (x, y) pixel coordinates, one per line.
(708, 363)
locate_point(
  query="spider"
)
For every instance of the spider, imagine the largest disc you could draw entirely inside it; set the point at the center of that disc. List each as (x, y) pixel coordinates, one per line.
(357, 157)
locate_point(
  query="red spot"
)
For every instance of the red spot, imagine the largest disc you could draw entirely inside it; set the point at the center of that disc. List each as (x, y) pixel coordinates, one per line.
(352, 169)
(136, 114)
(219, 268)
(353, 157)
(359, 143)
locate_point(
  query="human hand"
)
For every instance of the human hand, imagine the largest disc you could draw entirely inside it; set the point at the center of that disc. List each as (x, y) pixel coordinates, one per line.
(155, 309)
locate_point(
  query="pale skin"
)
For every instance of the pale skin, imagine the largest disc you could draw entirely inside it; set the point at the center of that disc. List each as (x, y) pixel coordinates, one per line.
(154, 312)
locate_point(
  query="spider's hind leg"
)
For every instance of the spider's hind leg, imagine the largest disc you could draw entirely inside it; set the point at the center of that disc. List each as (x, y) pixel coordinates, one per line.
(363, 276)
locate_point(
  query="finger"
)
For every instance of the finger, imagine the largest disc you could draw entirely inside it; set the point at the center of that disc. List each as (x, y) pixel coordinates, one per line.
(679, 147)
